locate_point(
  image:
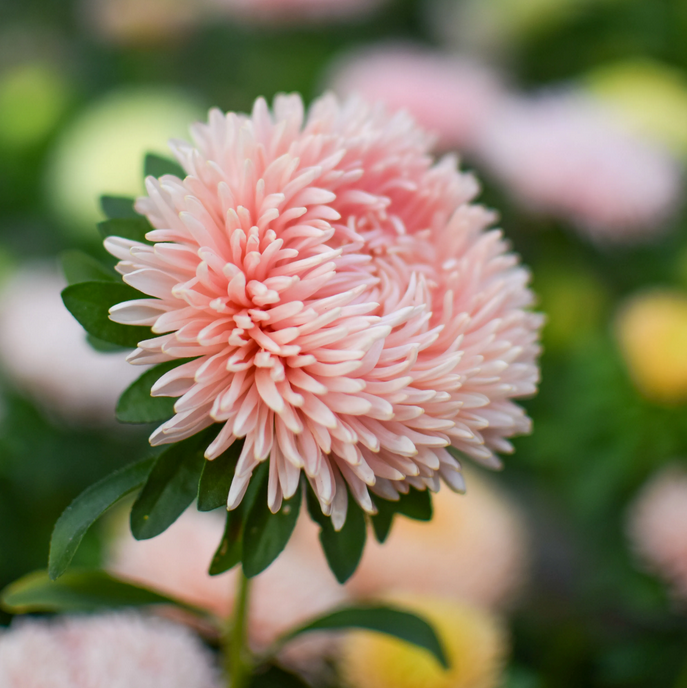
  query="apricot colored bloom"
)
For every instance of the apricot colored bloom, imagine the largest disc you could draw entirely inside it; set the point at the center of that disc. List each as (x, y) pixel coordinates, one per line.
(349, 313)
(657, 526)
(108, 651)
(475, 642)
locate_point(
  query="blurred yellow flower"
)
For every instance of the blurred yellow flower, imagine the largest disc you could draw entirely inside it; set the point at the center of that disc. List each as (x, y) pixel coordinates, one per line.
(649, 96)
(652, 333)
(475, 642)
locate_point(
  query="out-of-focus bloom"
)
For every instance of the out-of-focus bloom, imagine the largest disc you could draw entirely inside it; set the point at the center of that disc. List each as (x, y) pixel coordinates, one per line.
(657, 526)
(102, 150)
(448, 95)
(474, 549)
(44, 350)
(350, 313)
(650, 97)
(142, 22)
(108, 651)
(652, 333)
(33, 97)
(563, 154)
(475, 642)
(296, 587)
(280, 12)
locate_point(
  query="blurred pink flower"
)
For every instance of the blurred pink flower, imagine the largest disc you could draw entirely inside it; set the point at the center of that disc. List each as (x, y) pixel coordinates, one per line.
(474, 549)
(108, 651)
(563, 154)
(657, 526)
(44, 350)
(349, 312)
(451, 96)
(294, 11)
(299, 585)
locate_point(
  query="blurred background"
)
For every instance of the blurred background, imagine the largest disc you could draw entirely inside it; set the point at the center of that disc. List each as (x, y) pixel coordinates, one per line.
(572, 113)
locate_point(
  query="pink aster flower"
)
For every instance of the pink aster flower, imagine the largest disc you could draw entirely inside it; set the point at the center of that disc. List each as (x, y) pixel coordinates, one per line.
(562, 154)
(350, 314)
(657, 526)
(108, 651)
(451, 96)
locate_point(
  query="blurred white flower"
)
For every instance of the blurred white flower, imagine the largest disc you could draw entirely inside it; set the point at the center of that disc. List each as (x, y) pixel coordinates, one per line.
(43, 350)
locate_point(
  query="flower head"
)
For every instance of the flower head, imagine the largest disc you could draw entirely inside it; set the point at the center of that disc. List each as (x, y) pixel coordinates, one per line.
(348, 312)
(475, 642)
(107, 651)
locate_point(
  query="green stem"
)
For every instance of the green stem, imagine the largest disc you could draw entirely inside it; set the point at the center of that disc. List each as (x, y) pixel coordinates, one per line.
(237, 659)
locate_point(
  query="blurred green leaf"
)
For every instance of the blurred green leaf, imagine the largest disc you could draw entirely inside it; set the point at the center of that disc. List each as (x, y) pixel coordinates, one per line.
(392, 621)
(156, 166)
(134, 228)
(78, 266)
(118, 207)
(228, 553)
(104, 347)
(78, 517)
(265, 534)
(77, 591)
(213, 489)
(89, 303)
(417, 504)
(171, 486)
(136, 405)
(344, 548)
(274, 677)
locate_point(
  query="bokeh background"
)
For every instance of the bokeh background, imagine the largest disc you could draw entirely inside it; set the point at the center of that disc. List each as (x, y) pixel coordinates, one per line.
(572, 113)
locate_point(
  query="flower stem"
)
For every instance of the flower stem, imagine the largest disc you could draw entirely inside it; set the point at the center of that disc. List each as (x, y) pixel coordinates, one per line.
(237, 660)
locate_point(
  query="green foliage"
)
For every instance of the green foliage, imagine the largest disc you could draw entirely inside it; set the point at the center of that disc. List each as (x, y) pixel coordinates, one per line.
(80, 267)
(134, 228)
(118, 207)
(274, 677)
(230, 548)
(77, 591)
(343, 548)
(156, 166)
(215, 481)
(137, 406)
(381, 618)
(89, 303)
(89, 506)
(417, 504)
(171, 486)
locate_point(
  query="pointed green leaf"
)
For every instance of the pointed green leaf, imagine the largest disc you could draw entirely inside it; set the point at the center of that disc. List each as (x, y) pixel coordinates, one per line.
(137, 406)
(228, 553)
(213, 489)
(381, 618)
(274, 677)
(134, 228)
(89, 303)
(265, 534)
(382, 521)
(78, 591)
(156, 166)
(118, 207)
(344, 548)
(105, 347)
(78, 266)
(417, 504)
(171, 486)
(78, 517)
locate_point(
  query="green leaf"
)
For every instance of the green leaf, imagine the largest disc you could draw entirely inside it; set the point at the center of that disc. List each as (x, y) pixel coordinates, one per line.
(105, 347)
(78, 517)
(381, 618)
(171, 486)
(118, 207)
(78, 266)
(78, 591)
(228, 553)
(89, 303)
(343, 549)
(417, 504)
(156, 166)
(135, 405)
(265, 534)
(274, 677)
(134, 228)
(213, 489)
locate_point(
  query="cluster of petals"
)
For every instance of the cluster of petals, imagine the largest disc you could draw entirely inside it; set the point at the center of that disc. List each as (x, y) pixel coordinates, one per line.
(565, 155)
(657, 526)
(107, 651)
(349, 313)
